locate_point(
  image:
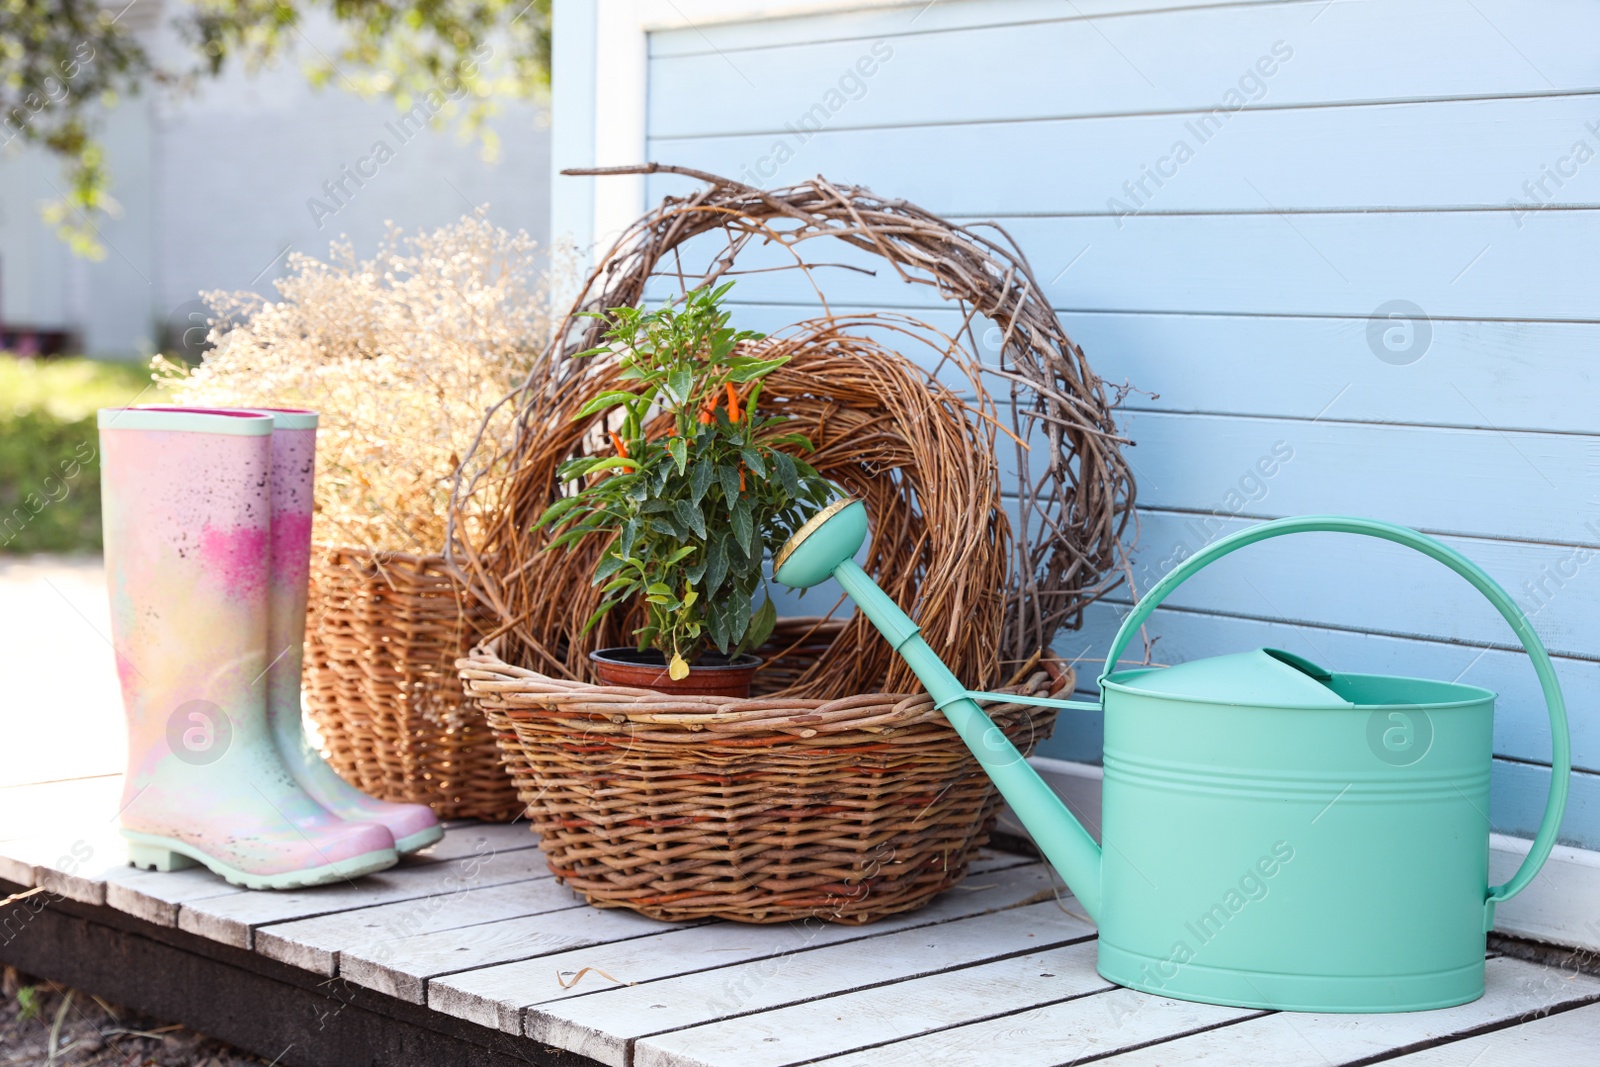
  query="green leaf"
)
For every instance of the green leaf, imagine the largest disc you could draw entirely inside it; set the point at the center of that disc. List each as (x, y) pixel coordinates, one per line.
(738, 621)
(599, 614)
(558, 509)
(680, 386)
(700, 480)
(664, 528)
(757, 368)
(625, 539)
(680, 452)
(752, 459)
(787, 474)
(690, 517)
(610, 564)
(716, 564)
(608, 399)
(658, 589)
(728, 475)
(572, 534)
(761, 625)
(744, 527)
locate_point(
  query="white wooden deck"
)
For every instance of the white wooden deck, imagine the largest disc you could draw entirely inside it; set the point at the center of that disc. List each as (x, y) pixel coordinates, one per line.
(999, 971)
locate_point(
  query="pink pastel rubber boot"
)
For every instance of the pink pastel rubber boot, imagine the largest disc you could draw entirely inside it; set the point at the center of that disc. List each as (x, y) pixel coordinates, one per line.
(294, 457)
(187, 506)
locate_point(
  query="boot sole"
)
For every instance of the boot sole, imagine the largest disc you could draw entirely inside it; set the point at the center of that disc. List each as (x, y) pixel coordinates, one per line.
(419, 840)
(151, 853)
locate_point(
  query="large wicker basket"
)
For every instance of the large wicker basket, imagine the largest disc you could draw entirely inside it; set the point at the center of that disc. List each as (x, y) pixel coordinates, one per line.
(382, 636)
(760, 810)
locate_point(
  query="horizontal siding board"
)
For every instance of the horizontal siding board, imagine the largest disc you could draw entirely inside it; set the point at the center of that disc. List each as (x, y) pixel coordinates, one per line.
(1351, 582)
(1472, 153)
(876, 18)
(1136, 62)
(1475, 482)
(1212, 364)
(1468, 265)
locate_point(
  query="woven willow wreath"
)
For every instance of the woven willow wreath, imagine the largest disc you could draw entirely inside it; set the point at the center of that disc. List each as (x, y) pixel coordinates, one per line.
(1062, 546)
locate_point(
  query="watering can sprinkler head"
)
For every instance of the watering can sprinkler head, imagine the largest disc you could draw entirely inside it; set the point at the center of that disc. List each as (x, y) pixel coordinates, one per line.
(828, 538)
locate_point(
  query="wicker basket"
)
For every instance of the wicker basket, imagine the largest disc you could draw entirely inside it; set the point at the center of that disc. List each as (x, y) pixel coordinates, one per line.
(382, 637)
(761, 810)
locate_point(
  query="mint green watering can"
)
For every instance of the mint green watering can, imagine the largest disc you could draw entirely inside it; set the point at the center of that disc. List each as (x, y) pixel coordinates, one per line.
(1275, 835)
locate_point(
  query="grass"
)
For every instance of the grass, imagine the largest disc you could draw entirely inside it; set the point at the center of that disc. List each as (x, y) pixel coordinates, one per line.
(67, 389)
(49, 449)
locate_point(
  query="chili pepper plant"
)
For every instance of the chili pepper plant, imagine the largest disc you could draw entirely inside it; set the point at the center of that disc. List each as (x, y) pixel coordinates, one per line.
(701, 486)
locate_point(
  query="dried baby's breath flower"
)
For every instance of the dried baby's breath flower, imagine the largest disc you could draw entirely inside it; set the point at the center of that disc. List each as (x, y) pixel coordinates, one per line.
(403, 355)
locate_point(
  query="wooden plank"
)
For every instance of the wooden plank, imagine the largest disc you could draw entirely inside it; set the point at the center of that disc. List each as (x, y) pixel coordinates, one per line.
(742, 26)
(1007, 60)
(403, 967)
(1206, 364)
(496, 996)
(158, 896)
(1516, 991)
(1517, 795)
(232, 919)
(604, 1025)
(1460, 153)
(1084, 1028)
(399, 952)
(318, 944)
(54, 603)
(1570, 1037)
(881, 1016)
(472, 838)
(1296, 577)
(1453, 264)
(1122, 1019)
(67, 808)
(1477, 482)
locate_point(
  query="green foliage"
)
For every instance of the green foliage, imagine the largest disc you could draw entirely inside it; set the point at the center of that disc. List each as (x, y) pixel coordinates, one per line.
(49, 463)
(65, 63)
(30, 1003)
(694, 510)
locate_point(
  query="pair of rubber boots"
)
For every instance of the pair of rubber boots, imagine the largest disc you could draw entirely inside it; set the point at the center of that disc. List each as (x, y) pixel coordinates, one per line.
(208, 547)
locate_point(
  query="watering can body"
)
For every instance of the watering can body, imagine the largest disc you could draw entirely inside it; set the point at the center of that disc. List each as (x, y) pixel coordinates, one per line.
(1275, 835)
(1320, 853)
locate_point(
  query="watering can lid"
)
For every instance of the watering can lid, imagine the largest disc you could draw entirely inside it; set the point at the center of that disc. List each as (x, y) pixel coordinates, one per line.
(1267, 677)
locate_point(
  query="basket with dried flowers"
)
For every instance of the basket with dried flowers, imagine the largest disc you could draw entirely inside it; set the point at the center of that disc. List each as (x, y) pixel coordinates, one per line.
(402, 354)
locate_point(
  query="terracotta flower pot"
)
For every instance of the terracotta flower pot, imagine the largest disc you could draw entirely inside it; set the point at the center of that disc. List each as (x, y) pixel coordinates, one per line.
(713, 675)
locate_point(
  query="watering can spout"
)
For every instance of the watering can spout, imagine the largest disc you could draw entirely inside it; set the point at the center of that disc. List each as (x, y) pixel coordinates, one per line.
(824, 548)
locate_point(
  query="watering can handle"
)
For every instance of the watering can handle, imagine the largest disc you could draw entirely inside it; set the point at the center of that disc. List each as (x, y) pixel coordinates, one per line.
(1561, 764)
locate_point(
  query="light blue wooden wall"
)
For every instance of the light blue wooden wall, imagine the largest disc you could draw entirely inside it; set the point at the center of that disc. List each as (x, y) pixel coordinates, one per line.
(1386, 151)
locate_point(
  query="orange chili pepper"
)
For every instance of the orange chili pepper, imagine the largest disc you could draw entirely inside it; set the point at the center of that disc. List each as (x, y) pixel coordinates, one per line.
(741, 477)
(622, 448)
(733, 403)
